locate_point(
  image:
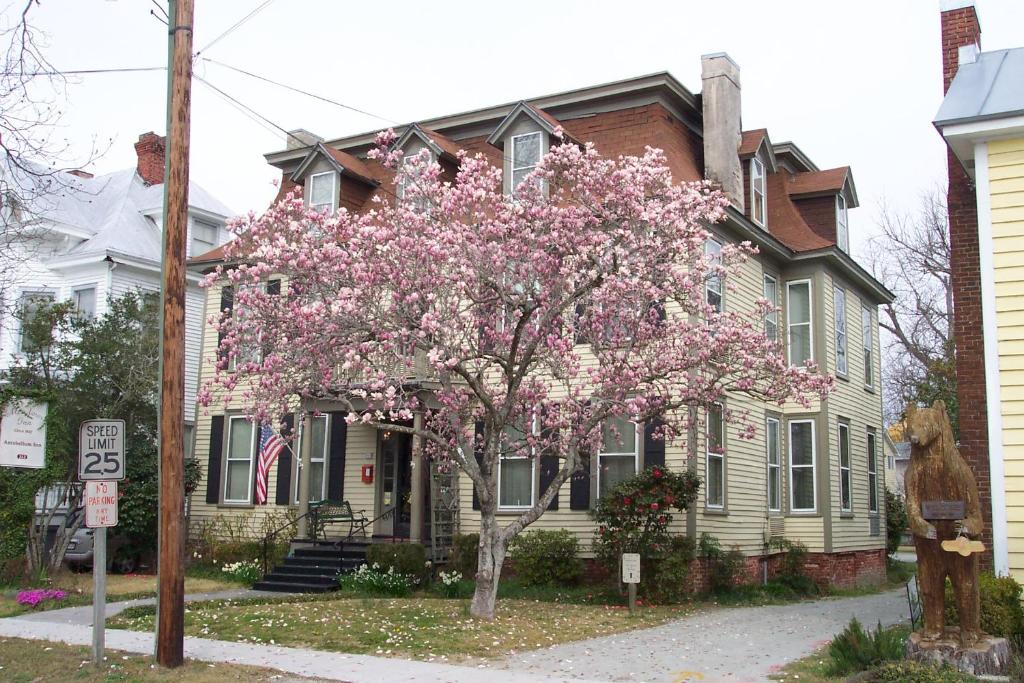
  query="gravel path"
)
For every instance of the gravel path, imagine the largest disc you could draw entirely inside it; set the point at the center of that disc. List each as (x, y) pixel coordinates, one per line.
(729, 644)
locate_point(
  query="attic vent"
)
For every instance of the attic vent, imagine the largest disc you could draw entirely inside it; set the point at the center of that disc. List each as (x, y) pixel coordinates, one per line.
(874, 526)
(776, 527)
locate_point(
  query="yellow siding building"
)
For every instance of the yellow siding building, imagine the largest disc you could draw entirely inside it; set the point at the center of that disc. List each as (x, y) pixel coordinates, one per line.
(982, 120)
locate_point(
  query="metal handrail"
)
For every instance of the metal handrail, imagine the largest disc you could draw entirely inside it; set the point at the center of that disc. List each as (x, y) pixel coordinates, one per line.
(362, 527)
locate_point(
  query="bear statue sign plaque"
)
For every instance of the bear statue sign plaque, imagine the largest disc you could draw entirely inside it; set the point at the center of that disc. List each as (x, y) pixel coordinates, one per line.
(944, 515)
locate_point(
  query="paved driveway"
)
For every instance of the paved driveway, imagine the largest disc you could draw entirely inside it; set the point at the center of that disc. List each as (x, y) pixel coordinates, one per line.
(732, 644)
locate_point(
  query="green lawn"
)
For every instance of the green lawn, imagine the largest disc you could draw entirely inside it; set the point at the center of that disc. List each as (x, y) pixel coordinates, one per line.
(418, 627)
(31, 661)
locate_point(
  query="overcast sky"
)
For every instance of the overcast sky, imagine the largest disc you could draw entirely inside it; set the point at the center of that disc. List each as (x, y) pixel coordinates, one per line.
(849, 82)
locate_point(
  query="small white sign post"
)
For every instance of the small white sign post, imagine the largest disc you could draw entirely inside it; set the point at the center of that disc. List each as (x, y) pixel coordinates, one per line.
(23, 434)
(100, 466)
(631, 576)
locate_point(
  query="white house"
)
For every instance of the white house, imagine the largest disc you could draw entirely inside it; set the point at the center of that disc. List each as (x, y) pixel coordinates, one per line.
(94, 238)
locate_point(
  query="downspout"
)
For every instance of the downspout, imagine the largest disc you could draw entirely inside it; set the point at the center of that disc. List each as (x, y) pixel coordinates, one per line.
(993, 403)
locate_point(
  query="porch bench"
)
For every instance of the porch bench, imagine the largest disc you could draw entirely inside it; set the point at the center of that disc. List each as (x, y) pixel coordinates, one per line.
(326, 512)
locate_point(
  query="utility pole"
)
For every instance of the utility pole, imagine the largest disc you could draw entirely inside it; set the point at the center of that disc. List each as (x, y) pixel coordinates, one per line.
(170, 629)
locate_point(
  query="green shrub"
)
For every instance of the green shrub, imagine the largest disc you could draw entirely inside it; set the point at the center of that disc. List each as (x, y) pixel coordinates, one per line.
(666, 579)
(465, 552)
(895, 521)
(375, 580)
(724, 567)
(915, 672)
(790, 572)
(634, 517)
(856, 650)
(408, 559)
(1001, 611)
(247, 572)
(546, 557)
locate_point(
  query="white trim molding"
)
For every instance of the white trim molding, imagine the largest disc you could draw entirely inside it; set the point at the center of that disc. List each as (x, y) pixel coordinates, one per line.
(994, 406)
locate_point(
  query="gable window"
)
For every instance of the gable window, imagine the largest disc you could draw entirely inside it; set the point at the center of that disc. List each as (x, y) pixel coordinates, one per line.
(872, 473)
(868, 339)
(619, 458)
(771, 319)
(802, 494)
(713, 283)
(321, 192)
(715, 442)
(516, 471)
(84, 301)
(842, 224)
(239, 470)
(204, 237)
(413, 168)
(758, 205)
(839, 302)
(526, 154)
(317, 459)
(845, 477)
(773, 446)
(30, 306)
(798, 319)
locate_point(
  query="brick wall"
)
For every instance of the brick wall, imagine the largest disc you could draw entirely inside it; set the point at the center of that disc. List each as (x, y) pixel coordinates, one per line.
(820, 215)
(960, 27)
(150, 150)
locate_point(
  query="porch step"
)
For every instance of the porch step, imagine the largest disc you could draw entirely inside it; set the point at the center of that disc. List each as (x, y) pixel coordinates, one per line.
(282, 587)
(313, 566)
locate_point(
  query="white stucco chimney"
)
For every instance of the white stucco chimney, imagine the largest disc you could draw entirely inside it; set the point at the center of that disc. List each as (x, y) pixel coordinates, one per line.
(720, 94)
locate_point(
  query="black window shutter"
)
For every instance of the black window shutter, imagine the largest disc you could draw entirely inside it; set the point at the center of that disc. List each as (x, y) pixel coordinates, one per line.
(579, 484)
(227, 303)
(478, 433)
(577, 323)
(284, 464)
(336, 459)
(213, 461)
(549, 466)
(654, 449)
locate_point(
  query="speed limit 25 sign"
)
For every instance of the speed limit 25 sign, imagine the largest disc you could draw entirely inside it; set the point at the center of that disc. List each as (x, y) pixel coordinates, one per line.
(101, 450)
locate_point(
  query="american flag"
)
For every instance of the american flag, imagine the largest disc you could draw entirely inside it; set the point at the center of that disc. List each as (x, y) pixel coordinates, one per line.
(271, 445)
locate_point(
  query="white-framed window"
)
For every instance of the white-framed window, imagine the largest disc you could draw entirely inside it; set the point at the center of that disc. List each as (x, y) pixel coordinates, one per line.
(713, 283)
(758, 193)
(891, 460)
(516, 470)
(798, 321)
(250, 349)
(842, 224)
(802, 467)
(189, 438)
(30, 305)
(867, 335)
(773, 448)
(84, 301)
(321, 192)
(771, 319)
(715, 453)
(238, 468)
(204, 236)
(317, 459)
(839, 303)
(872, 473)
(845, 474)
(412, 174)
(526, 154)
(619, 458)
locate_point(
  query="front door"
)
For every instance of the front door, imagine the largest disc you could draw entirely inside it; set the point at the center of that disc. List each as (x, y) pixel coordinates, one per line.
(394, 494)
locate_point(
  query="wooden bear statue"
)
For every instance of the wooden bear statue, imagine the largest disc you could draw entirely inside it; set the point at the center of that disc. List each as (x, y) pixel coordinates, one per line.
(942, 498)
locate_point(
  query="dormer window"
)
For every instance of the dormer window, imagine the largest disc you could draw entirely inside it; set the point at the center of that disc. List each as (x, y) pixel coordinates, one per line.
(842, 225)
(321, 192)
(204, 236)
(413, 168)
(526, 154)
(758, 204)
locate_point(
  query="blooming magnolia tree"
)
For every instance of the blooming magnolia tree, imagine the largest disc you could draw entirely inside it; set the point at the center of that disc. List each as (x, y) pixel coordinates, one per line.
(535, 318)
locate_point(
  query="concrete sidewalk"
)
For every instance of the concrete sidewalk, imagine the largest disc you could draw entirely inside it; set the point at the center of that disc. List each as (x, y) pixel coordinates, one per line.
(331, 666)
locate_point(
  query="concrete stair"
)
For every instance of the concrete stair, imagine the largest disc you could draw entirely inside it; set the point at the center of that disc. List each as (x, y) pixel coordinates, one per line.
(314, 566)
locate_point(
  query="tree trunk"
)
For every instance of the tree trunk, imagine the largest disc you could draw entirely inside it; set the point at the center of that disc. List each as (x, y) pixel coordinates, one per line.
(490, 557)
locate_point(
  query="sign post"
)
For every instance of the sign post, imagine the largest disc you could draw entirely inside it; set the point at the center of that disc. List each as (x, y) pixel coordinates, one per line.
(100, 466)
(631, 576)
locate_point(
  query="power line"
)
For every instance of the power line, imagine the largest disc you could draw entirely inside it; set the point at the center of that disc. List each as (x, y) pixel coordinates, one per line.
(301, 91)
(79, 72)
(249, 109)
(238, 23)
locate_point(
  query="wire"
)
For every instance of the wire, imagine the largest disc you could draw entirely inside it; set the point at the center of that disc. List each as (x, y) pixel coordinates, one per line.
(79, 72)
(238, 23)
(301, 91)
(249, 109)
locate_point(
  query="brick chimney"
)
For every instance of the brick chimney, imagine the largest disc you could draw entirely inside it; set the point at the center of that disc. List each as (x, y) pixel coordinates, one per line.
(150, 151)
(961, 41)
(720, 98)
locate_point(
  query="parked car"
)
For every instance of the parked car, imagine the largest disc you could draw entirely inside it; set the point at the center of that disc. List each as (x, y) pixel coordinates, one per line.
(79, 554)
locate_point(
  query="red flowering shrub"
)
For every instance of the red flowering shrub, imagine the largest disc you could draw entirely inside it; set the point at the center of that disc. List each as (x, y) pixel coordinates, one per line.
(634, 517)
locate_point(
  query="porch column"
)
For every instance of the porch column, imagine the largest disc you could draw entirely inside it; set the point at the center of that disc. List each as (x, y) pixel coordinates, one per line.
(418, 494)
(305, 460)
